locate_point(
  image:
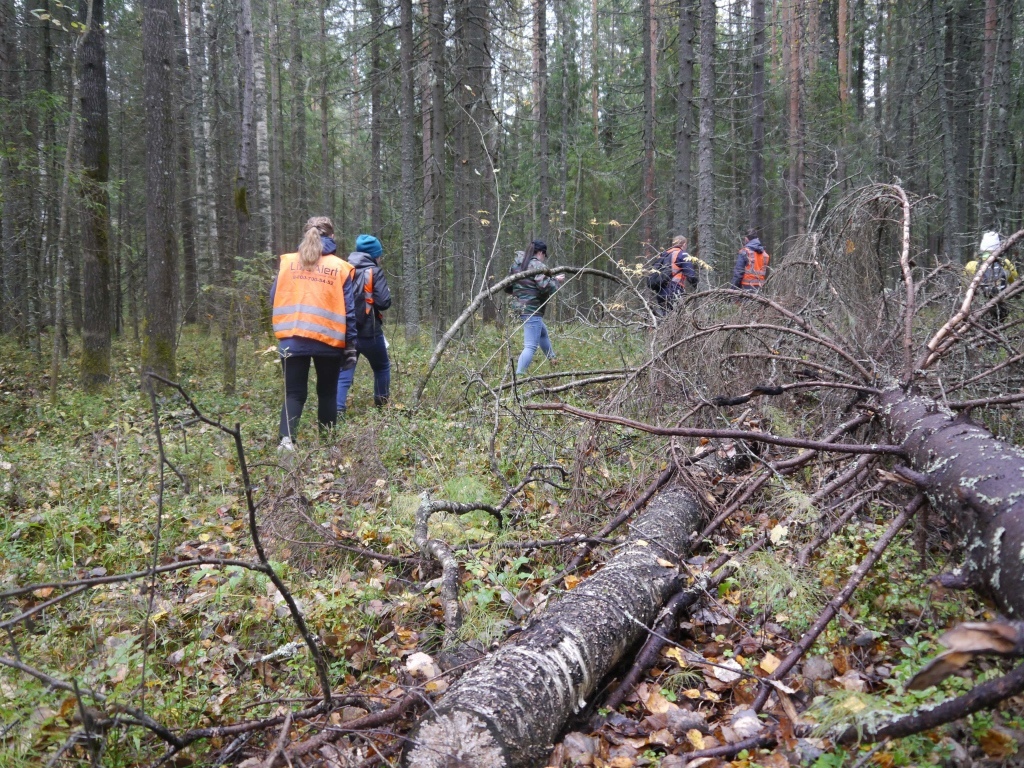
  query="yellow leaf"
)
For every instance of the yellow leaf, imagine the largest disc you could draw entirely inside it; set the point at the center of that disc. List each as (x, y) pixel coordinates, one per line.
(572, 581)
(691, 693)
(778, 534)
(770, 663)
(657, 704)
(43, 592)
(677, 656)
(696, 738)
(665, 563)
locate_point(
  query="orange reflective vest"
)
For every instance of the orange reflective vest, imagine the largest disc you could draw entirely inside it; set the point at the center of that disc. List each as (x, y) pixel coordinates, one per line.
(677, 270)
(368, 291)
(757, 269)
(311, 303)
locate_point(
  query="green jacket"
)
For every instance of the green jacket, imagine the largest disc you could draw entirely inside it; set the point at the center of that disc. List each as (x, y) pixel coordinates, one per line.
(531, 293)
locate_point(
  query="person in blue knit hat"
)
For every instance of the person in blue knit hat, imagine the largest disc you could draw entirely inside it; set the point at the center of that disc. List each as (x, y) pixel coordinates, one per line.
(372, 299)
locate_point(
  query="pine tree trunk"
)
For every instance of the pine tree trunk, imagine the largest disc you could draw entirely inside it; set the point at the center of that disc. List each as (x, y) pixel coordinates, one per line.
(12, 272)
(410, 294)
(186, 201)
(438, 164)
(682, 222)
(376, 122)
(705, 144)
(297, 70)
(95, 363)
(540, 115)
(647, 202)
(757, 182)
(161, 243)
(986, 215)
(793, 65)
(953, 220)
(326, 164)
(277, 204)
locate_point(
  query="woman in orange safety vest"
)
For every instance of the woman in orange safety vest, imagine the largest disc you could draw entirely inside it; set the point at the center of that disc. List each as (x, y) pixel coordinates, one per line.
(314, 321)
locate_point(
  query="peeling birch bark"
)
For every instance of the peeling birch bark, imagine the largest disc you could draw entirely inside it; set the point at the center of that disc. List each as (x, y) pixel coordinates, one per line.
(508, 710)
(977, 481)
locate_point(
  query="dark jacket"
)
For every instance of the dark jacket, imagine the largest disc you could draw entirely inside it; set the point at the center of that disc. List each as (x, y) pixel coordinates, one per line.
(300, 345)
(531, 293)
(742, 261)
(668, 287)
(369, 324)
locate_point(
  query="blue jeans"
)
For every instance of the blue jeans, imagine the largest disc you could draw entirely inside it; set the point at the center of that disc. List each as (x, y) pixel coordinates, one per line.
(535, 334)
(374, 350)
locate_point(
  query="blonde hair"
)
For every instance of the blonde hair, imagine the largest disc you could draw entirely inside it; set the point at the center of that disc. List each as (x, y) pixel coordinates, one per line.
(310, 249)
(679, 241)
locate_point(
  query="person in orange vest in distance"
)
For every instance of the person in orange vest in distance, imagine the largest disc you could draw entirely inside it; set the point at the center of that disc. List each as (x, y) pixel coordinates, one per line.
(751, 264)
(672, 270)
(314, 321)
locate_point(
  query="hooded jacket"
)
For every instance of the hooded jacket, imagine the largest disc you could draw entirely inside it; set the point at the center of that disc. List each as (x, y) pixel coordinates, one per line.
(369, 324)
(743, 261)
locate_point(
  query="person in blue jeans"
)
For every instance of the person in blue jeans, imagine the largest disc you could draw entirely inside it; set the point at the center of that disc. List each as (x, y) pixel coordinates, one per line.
(531, 296)
(372, 298)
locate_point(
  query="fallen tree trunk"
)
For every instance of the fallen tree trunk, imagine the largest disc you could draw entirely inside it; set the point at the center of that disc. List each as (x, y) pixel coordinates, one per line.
(977, 481)
(508, 710)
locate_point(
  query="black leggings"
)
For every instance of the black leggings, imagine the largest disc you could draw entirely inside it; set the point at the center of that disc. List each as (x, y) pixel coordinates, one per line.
(296, 388)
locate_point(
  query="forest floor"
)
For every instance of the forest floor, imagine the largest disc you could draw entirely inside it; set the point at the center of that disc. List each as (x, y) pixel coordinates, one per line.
(81, 488)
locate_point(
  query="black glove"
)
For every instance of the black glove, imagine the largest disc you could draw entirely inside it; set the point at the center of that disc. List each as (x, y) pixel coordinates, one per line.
(348, 358)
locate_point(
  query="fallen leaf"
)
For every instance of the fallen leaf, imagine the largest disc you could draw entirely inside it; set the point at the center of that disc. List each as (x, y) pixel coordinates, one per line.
(770, 663)
(938, 669)
(728, 671)
(997, 744)
(778, 534)
(43, 592)
(852, 681)
(696, 738)
(677, 656)
(656, 703)
(572, 581)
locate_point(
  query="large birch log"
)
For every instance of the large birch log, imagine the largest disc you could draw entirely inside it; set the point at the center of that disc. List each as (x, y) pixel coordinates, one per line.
(508, 710)
(977, 481)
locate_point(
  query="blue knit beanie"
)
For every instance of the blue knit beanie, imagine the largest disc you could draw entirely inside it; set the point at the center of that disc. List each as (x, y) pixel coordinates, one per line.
(369, 245)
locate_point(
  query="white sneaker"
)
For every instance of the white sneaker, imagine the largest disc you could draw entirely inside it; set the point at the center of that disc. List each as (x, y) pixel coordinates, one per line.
(286, 445)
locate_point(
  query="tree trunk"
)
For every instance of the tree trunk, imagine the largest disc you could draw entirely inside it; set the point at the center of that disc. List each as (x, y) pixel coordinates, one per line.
(196, 112)
(263, 237)
(376, 121)
(12, 272)
(95, 363)
(647, 207)
(161, 243)
(437, 124)
(953, 220)
(540, 114)
(681, 214)
(757, 21)
(976, 480)
(277, 206)
(706, 149)
(300, 198)
(986, 215)
(246, 142)
(186, 200)
(793, 61)
(326, 162)
(843, 53)
(508, 710)
(410, 294)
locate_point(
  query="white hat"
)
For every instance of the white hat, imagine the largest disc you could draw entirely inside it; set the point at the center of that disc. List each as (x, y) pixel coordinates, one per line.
(989, 241)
